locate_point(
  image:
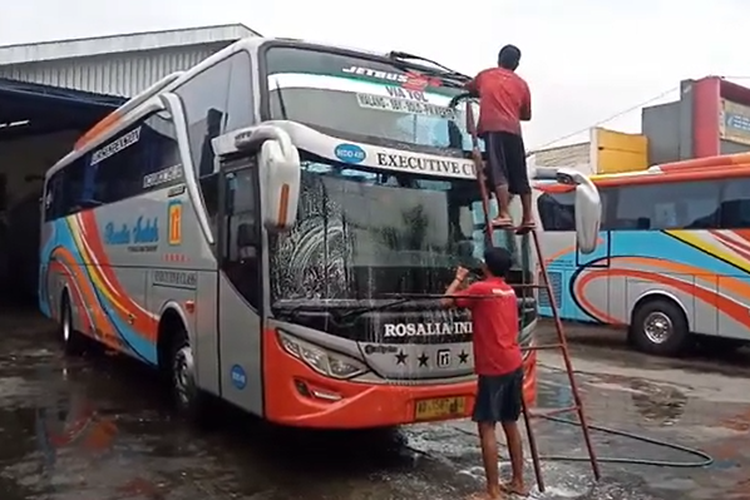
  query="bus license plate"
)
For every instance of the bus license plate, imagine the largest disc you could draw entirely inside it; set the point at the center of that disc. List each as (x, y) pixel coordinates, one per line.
(429, 409)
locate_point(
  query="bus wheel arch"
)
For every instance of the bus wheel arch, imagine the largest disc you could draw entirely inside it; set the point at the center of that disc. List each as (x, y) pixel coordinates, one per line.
(659, 325)
(177, 363)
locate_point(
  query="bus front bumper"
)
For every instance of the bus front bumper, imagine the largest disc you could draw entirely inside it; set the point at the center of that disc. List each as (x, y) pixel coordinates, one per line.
(296, 395)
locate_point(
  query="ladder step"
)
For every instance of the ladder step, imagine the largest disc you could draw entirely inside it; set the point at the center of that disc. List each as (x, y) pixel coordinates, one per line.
(517, 229)
(543, 347)
(551, 412)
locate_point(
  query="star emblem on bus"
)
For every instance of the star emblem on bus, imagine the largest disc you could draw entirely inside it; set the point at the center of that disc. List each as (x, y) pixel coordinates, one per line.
(463, 357)
(423, 359)
(401, 357)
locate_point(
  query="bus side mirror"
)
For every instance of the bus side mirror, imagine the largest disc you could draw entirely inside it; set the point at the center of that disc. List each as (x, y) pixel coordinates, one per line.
(282, 175)
(279, 170)
(588, 208)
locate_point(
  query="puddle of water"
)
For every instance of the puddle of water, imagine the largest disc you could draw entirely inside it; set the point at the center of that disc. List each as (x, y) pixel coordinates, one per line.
(566, 482)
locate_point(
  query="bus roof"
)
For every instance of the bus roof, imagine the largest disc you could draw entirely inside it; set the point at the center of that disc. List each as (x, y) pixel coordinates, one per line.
(148, 99)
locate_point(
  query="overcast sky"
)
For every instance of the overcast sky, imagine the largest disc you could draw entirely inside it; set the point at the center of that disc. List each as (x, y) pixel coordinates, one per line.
(585, 60)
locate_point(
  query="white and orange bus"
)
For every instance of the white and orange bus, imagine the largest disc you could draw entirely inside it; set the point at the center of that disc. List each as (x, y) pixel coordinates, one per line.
(273, 227)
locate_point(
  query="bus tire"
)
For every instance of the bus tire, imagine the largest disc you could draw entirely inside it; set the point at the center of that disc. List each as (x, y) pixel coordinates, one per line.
(187, 397)
(72, 341)
(660, 327)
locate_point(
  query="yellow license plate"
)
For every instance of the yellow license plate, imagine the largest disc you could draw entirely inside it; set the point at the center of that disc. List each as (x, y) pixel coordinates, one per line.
(429, 409)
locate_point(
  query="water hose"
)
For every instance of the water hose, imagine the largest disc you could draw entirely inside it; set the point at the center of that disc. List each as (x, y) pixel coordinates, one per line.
(705, 461)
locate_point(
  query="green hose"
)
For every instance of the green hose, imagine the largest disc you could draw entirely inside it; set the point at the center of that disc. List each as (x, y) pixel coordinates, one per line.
(706, 459)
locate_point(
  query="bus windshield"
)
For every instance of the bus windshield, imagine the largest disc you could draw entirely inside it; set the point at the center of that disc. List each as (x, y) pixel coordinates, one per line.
(364, 100)
(364, 235)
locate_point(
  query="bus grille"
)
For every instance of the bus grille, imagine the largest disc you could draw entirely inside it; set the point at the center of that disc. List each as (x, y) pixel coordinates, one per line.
(555, 279)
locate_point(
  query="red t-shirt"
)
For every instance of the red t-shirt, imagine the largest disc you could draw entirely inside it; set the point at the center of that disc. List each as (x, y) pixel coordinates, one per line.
(504, 98)
(494, 317)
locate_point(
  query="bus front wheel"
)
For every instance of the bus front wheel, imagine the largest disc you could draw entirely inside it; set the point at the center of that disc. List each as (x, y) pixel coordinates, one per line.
(71, 340)
(186, 394)
(659, 327)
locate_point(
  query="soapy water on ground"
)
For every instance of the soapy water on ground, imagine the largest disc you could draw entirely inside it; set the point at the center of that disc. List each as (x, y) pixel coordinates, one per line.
(133, 448)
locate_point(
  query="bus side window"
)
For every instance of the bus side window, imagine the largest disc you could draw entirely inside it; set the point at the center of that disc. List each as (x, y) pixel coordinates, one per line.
(668, 205)
(557, 211)
(217, 100)
(53, 197)
(735, 204)
(71, 190)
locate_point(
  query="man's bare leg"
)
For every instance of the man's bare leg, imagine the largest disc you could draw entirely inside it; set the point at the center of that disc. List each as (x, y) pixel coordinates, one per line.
(503, 200)
(488, 441)
(528, 215)
(515, 449)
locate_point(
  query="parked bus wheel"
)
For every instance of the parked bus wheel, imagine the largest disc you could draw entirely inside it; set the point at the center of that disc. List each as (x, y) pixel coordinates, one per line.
(659, 327)
(186, 394)
(72, 340)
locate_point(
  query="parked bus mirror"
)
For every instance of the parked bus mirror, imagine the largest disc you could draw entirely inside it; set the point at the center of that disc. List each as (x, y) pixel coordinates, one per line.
(588, 211)
(282, 176)
(278, 167)
(588, 208)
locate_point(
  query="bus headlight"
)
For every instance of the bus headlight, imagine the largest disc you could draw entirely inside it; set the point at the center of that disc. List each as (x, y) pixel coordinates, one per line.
(326, 363)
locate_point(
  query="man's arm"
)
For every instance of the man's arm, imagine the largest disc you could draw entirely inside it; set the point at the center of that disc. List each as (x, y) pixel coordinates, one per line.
(526, 104)
(473, 85)
(449, 299)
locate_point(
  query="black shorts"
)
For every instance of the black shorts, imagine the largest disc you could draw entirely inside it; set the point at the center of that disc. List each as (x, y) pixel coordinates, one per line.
(506, 162)
(499, 398)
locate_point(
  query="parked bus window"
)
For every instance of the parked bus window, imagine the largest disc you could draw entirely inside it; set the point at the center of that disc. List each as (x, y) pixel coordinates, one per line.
(207, 98)
(557, 211)
(125, 173)
(689, 205)
(735, 204)
(72, 187)
(240, 99)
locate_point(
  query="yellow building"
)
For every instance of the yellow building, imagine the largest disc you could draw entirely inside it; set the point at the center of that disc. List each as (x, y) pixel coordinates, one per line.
(607, 152)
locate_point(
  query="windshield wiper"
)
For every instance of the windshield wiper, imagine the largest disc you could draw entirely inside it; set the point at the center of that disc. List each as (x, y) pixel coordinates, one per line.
(281, 100)
(402, 56)
(444, 70)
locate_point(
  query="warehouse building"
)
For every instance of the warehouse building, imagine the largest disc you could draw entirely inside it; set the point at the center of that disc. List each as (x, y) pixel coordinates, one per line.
(51, 92)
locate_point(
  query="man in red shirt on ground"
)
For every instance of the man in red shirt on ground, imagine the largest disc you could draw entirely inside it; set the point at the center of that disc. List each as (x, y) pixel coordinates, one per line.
(498, 363)
(504, 102)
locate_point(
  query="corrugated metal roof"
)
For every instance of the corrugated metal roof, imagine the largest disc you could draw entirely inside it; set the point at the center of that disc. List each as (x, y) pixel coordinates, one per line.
(121, 65)
(87, 47)
(122, 75)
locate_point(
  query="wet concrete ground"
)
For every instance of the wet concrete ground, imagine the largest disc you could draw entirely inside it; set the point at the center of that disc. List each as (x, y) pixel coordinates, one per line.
(132, 448)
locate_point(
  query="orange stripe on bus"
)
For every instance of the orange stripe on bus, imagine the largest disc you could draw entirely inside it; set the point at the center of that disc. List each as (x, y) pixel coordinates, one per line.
(554, 188)
(709, 162)
(102, 126)
(677, 175)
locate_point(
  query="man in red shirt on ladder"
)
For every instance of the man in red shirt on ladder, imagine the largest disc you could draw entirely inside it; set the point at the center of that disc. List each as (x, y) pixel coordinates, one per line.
(498, 363)
(504, 102)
